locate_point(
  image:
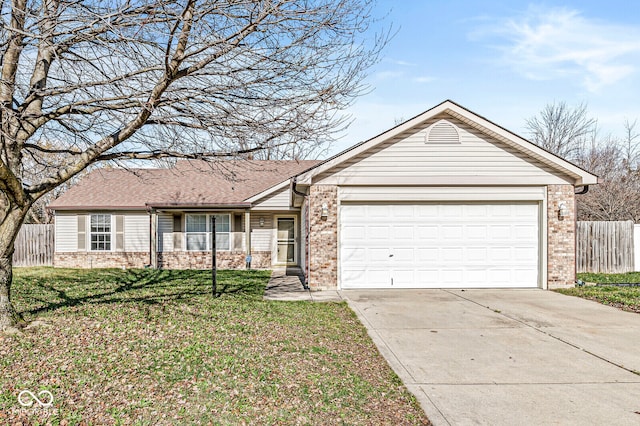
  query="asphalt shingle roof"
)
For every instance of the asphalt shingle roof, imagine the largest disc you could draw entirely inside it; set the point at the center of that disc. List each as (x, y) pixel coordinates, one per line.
(188, 183)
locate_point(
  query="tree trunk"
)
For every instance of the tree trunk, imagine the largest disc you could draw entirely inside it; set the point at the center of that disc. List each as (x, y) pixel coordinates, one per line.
(8, 315)
(9, 229)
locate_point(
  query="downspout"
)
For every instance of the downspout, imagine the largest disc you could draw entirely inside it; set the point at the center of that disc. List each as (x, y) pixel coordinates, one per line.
(294, 182)
(150, 239)
(583, 191)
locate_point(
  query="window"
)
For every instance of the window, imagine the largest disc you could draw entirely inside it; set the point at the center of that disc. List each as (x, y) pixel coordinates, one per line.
(100, 232)
(198, 231)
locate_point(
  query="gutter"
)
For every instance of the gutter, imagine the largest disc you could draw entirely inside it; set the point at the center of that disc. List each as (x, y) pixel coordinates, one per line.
(198, 205)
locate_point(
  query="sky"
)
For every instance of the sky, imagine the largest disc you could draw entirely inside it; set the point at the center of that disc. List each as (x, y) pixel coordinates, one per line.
(504, 60)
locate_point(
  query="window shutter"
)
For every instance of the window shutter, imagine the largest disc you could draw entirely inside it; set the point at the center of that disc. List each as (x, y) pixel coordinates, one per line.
(177, 232)
(119, 232)
(82, 232)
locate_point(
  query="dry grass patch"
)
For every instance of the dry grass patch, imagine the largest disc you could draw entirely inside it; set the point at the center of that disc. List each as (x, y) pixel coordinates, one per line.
(153, 347)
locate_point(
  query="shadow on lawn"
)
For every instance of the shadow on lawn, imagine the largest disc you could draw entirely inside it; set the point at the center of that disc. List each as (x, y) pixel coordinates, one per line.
(133, 286)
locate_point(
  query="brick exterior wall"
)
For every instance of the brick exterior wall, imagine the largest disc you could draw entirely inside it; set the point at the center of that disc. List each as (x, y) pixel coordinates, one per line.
(202, 260)
(166, 260)
(323, 238)
(101, 260)
(561, 240)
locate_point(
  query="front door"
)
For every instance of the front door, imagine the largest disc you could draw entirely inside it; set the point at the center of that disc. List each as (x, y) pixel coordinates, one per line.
(286, 240)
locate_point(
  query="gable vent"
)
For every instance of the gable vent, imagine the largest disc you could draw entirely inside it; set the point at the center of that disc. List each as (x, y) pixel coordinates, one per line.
(442, 132)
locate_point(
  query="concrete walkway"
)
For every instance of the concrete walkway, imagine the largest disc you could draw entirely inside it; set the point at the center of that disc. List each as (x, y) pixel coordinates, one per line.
(507, 357)
(287, 285)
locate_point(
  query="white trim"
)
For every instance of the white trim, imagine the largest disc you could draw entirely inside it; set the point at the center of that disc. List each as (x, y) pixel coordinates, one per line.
(112, 233)
(543, 243)
(581, 177)
(267, 192)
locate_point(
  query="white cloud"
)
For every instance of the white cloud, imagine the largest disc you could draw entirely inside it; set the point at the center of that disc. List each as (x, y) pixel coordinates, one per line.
(388, 75)
(399, 62)
(545, 44)
(423, 79)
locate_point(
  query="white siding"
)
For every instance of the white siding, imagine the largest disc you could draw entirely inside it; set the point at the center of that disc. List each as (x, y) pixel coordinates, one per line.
(165, 232)
(409, 159)
(66, 226)
(277, 201)
(136, 232)
(261, 236)
(457, 193)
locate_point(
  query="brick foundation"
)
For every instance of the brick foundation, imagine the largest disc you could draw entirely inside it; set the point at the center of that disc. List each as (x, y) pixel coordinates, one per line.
(101, 260)
(323, 238)
(561, 248)
(202, 260)
(166, 260)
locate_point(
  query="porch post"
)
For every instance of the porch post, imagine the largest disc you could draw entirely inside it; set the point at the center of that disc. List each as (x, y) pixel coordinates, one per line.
(247, 232)
(154, 239)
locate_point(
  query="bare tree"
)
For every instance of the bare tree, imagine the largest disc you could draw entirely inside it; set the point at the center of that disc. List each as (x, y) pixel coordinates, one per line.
(90, 80)
(570, 133)
(561, 129)
(617, 196)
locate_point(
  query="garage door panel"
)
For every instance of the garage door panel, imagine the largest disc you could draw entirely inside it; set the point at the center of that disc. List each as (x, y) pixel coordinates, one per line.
(403, 232)
(403, 278)
(427, 232)
(371, 278)
(439, 245)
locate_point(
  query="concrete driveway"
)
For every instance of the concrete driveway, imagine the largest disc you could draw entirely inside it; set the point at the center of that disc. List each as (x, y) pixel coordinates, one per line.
(508, 356)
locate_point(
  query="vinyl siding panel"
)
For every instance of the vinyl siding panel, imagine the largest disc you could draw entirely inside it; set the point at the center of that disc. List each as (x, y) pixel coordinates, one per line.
(410, 159)
(165, 232)
(66, 239)
(438, 193)
(277, 201)
(261, 236)
(136, 232)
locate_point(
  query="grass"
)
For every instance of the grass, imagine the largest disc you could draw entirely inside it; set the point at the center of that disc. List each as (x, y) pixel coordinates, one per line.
(153, 347)
(626, 298)
(629, 277)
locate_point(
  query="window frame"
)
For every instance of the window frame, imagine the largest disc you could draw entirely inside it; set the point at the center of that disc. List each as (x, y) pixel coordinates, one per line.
(107, 234)
(207, 232)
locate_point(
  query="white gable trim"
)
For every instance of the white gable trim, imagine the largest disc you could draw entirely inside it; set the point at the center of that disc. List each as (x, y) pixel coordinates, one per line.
(580, 176)
(267, 192)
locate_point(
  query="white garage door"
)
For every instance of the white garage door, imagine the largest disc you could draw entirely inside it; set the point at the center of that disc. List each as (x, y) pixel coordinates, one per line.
(439, 245)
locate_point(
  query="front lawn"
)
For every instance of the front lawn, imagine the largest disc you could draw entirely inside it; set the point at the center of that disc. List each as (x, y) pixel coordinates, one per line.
(626, 298)
(153, 347)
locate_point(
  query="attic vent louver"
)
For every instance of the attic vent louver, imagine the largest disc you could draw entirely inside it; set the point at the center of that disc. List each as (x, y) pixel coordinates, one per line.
(442, 132)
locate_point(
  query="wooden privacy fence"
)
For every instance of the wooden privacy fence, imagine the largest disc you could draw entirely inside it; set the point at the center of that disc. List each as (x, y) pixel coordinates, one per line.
(604, 246)
(34, 246)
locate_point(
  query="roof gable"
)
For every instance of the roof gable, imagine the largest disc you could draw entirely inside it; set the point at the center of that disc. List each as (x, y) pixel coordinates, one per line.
(524, 151)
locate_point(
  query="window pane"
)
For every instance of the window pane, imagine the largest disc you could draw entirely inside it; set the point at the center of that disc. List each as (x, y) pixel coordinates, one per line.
(100, 242)
(286, 229)
(197, 223)
(222, 223)
(222, 241)
(100, 223)
(197, 242)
